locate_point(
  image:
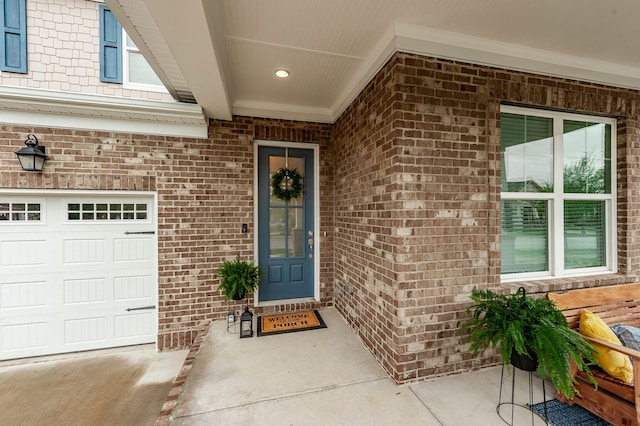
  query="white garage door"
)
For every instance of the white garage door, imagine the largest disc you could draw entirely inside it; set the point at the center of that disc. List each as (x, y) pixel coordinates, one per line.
(76, 273)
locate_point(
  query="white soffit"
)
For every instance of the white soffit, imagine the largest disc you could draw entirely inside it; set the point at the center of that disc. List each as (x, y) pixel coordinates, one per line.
(226, 50)
(465, 48)
(454, 46)
(45, 108)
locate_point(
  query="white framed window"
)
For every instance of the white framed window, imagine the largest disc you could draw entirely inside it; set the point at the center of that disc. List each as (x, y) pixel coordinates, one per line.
(120, 60)
(137, 73)
(558, 200)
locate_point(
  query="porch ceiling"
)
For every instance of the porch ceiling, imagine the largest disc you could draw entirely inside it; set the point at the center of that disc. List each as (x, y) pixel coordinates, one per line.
(223, 53)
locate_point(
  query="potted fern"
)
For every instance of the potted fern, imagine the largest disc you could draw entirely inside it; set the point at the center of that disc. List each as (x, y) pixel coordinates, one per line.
(237, 278)
(519, 325)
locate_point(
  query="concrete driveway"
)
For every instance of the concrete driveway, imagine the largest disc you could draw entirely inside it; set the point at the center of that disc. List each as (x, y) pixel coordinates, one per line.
(124, 386)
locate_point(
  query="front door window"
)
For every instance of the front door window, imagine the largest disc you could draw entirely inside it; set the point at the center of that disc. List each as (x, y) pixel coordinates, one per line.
(286, 217)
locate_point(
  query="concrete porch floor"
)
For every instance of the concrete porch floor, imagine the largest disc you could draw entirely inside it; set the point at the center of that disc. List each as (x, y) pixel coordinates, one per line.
(328, 377)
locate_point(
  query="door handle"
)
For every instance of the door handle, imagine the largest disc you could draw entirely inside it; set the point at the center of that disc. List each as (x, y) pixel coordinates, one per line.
(310, 242)
(142, 308)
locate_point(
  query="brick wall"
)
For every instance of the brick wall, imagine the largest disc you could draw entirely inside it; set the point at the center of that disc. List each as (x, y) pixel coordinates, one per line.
(417, 202)
(63, 51)
(205, 193)
(366, 203)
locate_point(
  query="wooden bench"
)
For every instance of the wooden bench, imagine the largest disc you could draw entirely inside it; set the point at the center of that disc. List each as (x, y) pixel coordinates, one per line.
(615, 401)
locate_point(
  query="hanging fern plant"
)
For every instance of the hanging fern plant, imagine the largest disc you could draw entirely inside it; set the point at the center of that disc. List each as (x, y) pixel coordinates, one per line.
(286, 184)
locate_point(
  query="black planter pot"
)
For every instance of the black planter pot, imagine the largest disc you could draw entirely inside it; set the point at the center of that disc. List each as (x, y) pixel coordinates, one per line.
(239, 296)
(524, 362)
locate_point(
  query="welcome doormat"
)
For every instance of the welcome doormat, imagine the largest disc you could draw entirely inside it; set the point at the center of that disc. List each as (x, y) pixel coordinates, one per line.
(561, 414)
(289, 323)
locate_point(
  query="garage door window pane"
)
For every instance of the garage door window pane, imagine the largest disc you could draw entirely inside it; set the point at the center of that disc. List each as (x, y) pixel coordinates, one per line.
(20, 212)
(73, 211)
(33, 212)
(4, 211)
(87, 212)
(101, 212)
(107, 211)
(115, 211)
(128, 211)
(141, 211)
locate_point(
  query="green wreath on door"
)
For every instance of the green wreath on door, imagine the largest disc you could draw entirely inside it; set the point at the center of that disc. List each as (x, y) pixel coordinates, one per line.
(286, 184)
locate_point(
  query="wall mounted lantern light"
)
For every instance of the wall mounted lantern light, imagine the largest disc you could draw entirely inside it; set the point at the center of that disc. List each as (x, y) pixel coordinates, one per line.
(32, 157)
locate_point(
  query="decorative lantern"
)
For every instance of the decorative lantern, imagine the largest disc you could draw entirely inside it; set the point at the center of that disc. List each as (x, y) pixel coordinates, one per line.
(246, 323)
(33, 156)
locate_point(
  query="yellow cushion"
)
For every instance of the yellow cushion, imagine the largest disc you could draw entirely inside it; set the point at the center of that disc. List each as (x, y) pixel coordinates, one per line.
(614, 363)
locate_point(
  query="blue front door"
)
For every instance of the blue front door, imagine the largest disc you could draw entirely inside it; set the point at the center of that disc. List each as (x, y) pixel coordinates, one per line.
(285, 227)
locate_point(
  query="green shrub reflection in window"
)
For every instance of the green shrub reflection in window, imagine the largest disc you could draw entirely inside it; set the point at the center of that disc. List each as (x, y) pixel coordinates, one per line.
(586, 157)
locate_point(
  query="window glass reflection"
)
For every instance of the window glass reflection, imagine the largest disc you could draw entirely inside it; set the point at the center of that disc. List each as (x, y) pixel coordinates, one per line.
(527, 153)
(286, 224)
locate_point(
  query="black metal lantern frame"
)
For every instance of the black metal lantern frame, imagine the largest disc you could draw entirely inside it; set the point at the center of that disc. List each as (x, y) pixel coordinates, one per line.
(32, 157)
(246, 323)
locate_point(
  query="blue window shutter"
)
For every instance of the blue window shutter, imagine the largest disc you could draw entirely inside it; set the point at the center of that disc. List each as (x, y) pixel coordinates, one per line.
(110, 47)
(13, 46)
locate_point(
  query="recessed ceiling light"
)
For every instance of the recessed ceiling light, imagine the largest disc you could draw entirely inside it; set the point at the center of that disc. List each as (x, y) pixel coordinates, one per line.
(282, 73)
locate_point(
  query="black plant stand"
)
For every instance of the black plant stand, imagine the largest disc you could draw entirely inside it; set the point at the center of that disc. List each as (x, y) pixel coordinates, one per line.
(512, 404)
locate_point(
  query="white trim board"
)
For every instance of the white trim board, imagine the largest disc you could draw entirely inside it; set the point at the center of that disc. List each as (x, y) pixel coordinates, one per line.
(44, 108)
